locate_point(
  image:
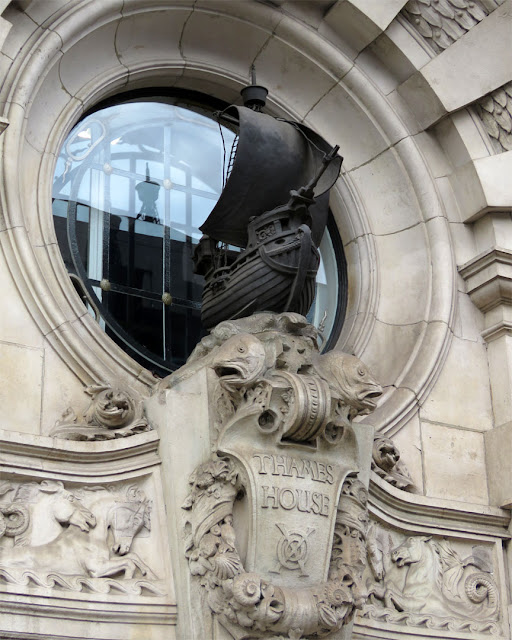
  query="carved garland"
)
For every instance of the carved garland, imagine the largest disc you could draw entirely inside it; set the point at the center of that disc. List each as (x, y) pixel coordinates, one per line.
(249, 600)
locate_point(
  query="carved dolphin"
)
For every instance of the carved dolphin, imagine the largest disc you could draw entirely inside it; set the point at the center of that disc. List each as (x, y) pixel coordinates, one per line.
(351, 379)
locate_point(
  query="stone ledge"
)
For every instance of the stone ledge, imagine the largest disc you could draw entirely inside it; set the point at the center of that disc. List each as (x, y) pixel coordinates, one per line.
(72, 458)
(145, 610)
(39, 616)
(433, 515)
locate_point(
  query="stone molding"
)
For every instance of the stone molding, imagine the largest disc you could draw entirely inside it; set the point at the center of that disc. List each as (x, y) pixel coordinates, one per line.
(71, 459)
(422, 515)
(489, 283)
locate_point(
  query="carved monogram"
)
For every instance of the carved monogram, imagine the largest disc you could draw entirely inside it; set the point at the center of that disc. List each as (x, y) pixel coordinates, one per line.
(74, 538)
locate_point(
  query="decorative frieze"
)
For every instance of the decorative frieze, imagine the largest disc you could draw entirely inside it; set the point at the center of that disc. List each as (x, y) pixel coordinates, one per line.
(423, 581)
(75, 538)
(495, 111)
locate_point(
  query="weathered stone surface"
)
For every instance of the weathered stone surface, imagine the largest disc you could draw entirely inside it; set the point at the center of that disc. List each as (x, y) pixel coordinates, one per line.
(370, 82)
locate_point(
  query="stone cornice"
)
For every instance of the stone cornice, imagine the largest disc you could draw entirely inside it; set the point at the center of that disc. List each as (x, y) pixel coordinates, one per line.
(497, 330)
(422, 514)
(70, 458)
(489, 278)
(485, 259)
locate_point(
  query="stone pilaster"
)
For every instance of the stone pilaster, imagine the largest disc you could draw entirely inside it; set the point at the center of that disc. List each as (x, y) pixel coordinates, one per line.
(488, 279)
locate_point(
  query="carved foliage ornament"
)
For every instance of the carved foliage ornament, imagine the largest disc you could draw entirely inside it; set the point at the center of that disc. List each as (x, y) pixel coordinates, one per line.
(285, 450)
(423, 581)
(75, 539)
(442, 22)
(495, 111)
(113, 413)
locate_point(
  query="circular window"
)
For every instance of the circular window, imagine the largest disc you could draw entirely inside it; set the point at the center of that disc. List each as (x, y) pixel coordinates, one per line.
(133, 184)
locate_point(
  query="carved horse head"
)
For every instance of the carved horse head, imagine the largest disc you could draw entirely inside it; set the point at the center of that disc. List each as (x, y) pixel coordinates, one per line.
(125, 521)
(420, 554)
(412, 550)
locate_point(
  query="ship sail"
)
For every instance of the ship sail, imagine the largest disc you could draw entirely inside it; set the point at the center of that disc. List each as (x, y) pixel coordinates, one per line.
(273, 157)
(274, 207)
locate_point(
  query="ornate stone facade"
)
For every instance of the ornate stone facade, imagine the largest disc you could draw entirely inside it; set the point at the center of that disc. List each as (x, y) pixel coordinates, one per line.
(101, 530)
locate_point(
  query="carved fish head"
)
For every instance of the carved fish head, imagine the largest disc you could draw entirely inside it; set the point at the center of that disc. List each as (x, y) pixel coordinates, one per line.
(352, 379)
(239, 361)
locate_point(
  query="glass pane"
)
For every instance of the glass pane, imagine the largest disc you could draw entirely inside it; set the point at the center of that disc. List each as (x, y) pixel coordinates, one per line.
(143, 319)
(136, 254)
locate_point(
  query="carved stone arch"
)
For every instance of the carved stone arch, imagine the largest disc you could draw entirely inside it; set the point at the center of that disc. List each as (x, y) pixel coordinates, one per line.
(49, 87)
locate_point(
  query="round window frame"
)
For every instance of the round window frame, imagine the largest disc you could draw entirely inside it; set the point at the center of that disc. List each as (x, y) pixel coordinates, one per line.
(205, 105)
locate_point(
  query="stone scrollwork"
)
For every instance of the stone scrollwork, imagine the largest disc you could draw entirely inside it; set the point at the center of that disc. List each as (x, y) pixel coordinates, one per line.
(113, 413)
(387, 464)
(284, 450)
(14, 518)
(75, 539)
(424, 582)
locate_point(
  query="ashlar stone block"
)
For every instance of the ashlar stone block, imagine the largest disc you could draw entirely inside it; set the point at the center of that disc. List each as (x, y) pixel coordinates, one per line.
(462, 394)
(454, 462)
(21, 370)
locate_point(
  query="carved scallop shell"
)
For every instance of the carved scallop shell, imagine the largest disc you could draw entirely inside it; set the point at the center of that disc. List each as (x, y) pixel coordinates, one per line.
(247, 589)
(227, 565)
(327, 616)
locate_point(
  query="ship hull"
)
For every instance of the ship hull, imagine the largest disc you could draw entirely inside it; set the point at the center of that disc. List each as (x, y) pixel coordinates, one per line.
(262, 280)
